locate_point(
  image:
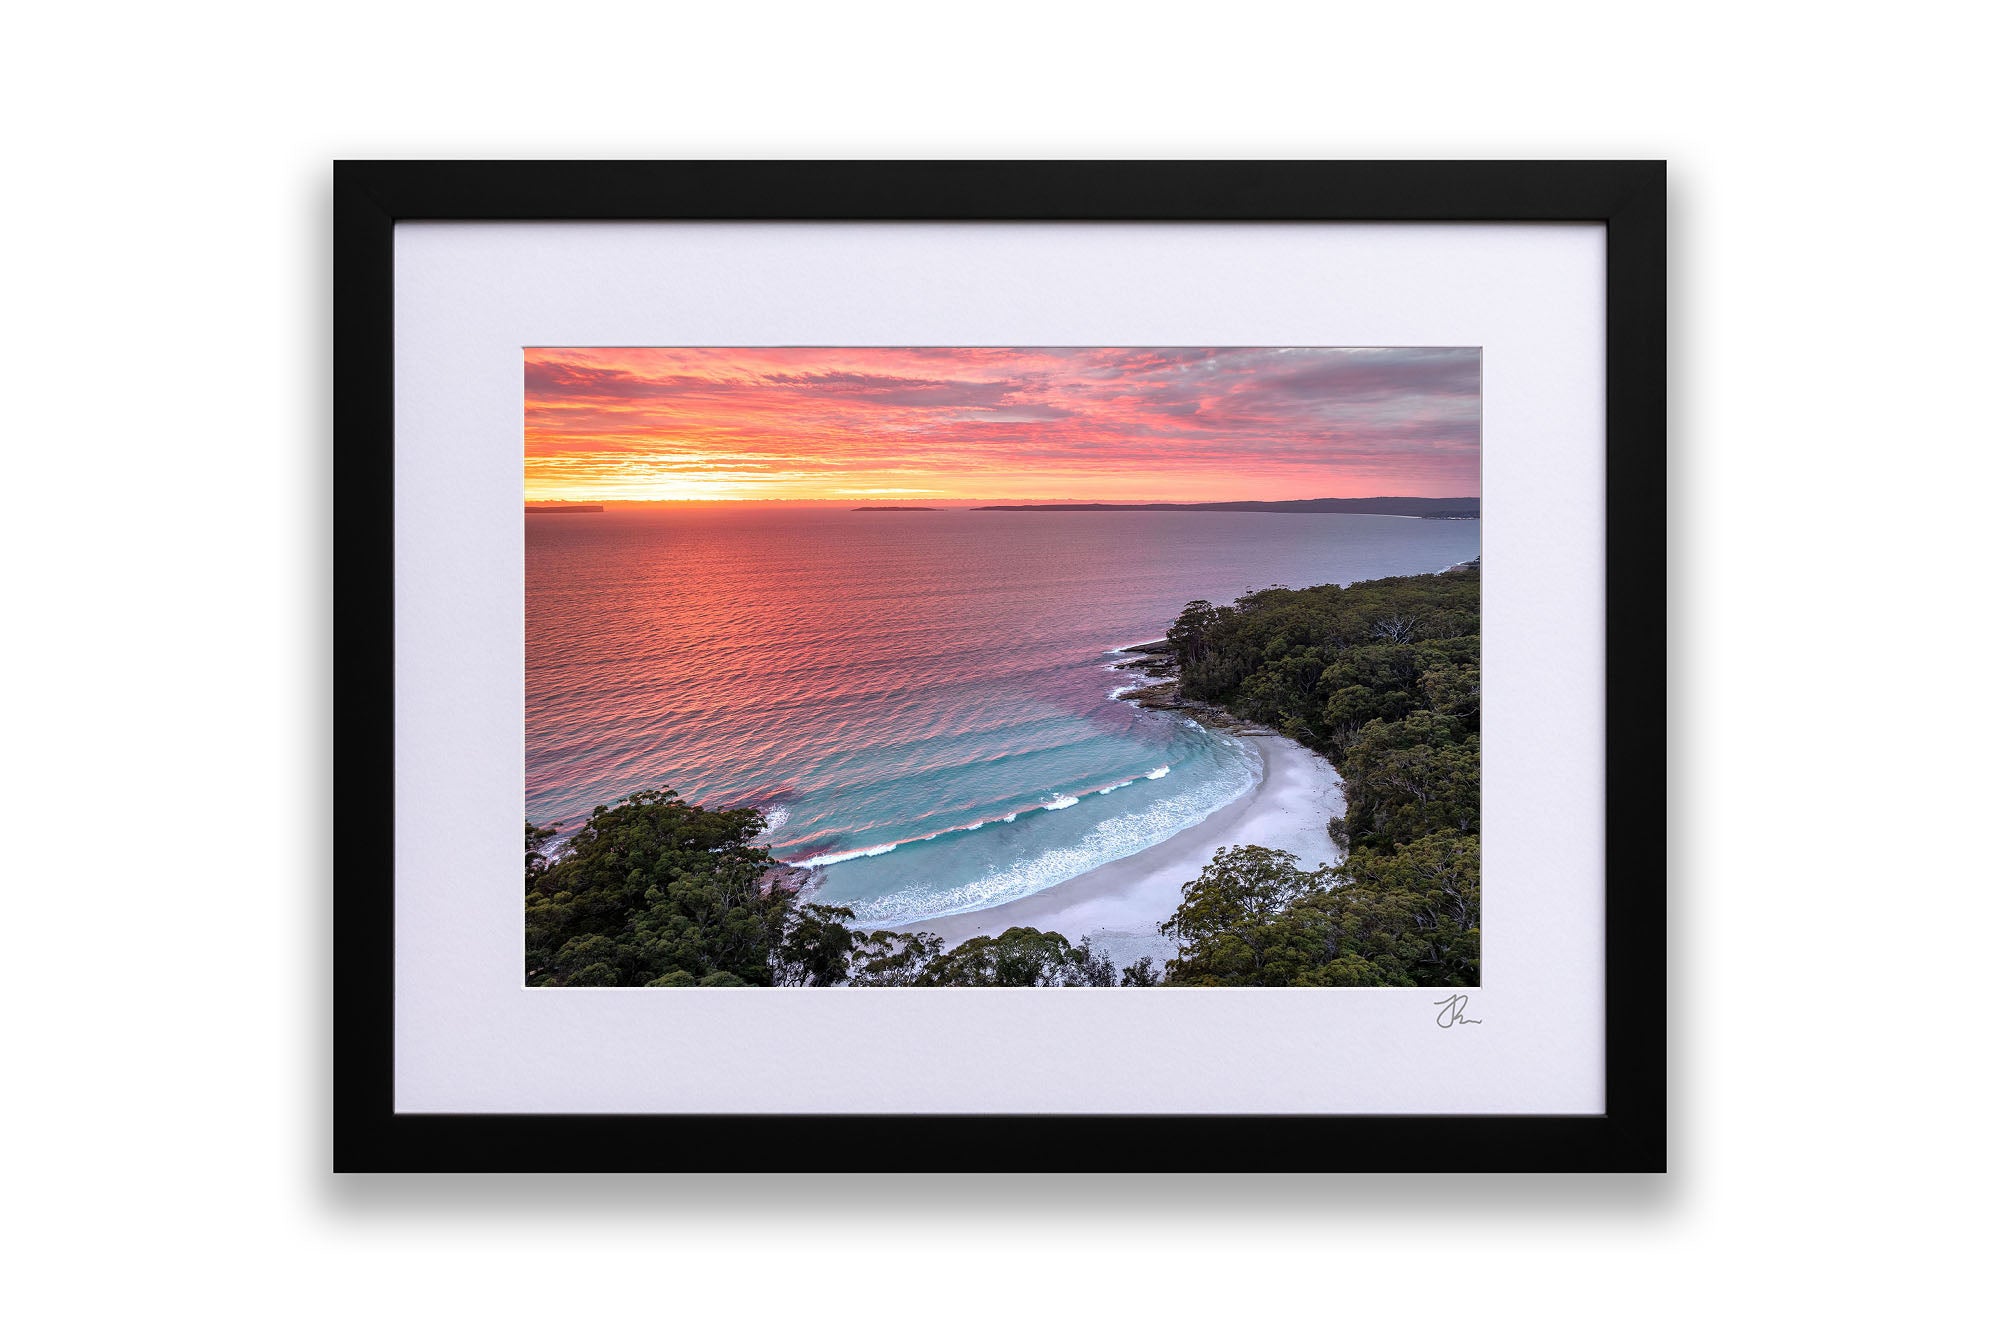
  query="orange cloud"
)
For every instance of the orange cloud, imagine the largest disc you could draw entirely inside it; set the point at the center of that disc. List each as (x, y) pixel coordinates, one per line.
(990, 423)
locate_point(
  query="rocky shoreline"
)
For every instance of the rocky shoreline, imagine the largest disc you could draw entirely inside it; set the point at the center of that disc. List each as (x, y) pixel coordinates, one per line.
(1157, 661)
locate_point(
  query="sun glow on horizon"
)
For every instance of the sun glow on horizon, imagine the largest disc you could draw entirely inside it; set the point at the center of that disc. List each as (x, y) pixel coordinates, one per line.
(986, 424)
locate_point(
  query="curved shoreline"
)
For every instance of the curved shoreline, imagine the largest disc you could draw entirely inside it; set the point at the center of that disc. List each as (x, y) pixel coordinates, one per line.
(1121, 904)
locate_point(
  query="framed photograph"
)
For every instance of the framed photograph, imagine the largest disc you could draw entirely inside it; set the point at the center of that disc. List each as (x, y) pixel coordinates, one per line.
(1004, 666)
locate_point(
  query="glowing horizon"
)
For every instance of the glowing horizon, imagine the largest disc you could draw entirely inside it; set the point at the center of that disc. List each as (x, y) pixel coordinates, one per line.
(1109, 425)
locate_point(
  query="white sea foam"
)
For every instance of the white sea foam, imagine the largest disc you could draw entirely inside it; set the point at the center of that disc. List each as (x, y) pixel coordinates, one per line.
(1060, 802)
(835, 858)
(776, 818)
(1120, 691)
(1008, 819)
(1159, 772)
(1106, 791)
(1110, 838)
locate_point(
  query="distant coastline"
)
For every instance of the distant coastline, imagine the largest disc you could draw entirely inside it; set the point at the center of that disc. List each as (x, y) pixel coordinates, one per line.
(565, 509)
(895, 509)
(1410, 506)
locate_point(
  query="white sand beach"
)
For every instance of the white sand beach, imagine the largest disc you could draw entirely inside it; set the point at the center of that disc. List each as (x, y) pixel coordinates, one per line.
(1120, 904)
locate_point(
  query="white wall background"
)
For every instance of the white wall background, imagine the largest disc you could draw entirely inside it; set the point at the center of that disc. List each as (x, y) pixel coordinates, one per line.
(167, 773)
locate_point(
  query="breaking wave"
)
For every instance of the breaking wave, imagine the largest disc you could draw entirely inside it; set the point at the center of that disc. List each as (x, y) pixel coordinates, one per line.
(835, 858)
(1108, 839)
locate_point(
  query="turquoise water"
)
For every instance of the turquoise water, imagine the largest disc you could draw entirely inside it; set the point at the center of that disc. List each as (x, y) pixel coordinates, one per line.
(921, 702)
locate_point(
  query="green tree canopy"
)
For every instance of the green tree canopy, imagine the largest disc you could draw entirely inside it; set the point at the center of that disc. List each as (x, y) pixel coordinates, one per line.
(888, 958)
(1255, 917)
(816, 946)
(653, 886)
(1382, 678)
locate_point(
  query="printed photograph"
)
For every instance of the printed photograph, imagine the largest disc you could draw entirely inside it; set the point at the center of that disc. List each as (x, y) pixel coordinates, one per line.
(1002, 666)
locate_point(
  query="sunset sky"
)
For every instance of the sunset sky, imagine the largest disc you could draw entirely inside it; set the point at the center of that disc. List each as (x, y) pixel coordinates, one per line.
(900, 424)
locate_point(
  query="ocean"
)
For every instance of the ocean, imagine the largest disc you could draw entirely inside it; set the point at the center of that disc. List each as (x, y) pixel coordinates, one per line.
(923, 703)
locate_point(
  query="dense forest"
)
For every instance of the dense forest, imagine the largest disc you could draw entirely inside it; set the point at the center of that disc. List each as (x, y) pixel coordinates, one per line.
(1381, 677)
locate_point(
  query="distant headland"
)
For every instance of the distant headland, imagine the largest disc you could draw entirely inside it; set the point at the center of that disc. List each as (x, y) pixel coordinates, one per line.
(1411, 506)
(565, 509)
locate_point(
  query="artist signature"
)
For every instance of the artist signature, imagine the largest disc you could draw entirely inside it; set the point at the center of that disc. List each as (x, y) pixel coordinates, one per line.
(1453, 1012)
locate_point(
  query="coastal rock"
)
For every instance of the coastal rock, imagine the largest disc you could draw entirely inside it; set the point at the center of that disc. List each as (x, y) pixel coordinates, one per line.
(1149, 666)
(782, 878)
(1165, 695)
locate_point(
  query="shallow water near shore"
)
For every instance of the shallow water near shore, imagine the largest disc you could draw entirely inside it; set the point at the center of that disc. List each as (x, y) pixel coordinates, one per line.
(922, 702)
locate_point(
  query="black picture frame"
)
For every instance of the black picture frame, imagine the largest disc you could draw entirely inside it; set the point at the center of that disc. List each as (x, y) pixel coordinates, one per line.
(1629, 198)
